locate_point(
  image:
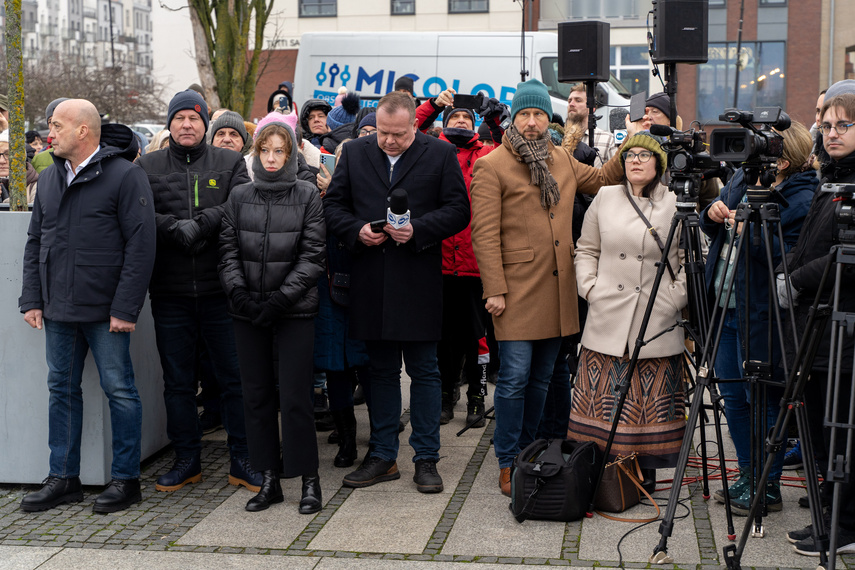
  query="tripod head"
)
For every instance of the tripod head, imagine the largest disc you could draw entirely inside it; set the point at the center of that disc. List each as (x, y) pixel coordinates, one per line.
(844, 212)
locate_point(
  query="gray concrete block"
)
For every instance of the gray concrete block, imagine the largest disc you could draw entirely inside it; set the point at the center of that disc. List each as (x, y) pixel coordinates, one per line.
(486, 527)
(400, 522)
(24, 558)
(132, 560)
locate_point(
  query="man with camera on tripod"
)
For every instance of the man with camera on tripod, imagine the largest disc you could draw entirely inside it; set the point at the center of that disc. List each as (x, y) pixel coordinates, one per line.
(807, 261)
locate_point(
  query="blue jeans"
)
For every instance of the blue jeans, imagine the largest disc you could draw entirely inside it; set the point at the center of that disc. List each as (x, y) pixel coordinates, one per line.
(737, 397)
(385, 404)
(524, 373)
(67, 345)
(178, 323)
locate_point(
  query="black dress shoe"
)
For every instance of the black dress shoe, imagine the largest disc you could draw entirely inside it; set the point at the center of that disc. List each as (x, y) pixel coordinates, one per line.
(311, 501)
(55, 491)
(373, 470)
(271, 493)
(118, 496)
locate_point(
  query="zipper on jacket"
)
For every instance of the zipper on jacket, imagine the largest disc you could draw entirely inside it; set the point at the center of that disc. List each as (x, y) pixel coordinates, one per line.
(196, 188)
(190, 204)
(264, 246)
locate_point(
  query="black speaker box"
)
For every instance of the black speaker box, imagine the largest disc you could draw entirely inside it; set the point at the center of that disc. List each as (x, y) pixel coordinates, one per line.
(680, 31)
(583, 51)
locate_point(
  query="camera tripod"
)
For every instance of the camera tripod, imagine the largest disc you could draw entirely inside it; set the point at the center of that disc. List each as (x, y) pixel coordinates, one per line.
(760, 219)
(839, 467)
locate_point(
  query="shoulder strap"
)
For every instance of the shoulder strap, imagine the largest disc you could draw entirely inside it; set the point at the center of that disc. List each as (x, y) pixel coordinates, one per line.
(650, 229)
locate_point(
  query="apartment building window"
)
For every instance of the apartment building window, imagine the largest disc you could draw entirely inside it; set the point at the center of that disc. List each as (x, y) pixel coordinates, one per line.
(718, 3)
(403, 7)
(761, 77)
(631, 64)
(773, 2)
(316, 8)
(468, 6)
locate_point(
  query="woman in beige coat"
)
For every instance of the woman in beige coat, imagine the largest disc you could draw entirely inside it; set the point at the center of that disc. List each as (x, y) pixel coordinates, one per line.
(615, 268)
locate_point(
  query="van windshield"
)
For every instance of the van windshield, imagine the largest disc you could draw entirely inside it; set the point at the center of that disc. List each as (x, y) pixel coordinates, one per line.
(549, 72)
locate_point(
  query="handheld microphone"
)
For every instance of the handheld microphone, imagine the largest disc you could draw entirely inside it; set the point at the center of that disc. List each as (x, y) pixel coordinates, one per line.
(617, 123)
(398, 213)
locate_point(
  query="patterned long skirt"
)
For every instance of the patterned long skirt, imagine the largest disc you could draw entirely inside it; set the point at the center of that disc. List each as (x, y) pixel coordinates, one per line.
(653, 420)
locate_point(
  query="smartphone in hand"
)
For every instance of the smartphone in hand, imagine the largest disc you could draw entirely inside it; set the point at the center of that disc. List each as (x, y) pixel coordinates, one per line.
(328, 160)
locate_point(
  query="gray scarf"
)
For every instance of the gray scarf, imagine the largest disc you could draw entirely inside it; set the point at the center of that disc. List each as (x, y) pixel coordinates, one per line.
(535, 153)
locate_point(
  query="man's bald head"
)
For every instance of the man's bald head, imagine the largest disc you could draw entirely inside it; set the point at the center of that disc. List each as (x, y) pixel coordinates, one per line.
(75, 130)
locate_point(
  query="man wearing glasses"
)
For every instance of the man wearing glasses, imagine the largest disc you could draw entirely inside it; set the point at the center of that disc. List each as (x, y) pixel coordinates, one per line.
(807, 261)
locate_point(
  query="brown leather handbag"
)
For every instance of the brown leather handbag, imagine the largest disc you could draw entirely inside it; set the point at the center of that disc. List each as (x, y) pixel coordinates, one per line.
(620, 489)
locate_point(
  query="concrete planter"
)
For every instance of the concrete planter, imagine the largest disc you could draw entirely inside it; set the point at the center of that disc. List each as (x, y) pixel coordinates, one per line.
(23, 383)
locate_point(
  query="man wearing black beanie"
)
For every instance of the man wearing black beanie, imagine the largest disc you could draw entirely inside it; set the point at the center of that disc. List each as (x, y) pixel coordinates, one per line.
(191, 181)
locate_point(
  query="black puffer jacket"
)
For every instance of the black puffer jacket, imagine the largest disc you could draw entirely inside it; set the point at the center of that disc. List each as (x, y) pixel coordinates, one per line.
(273, 240)
(807, 260)
(190, 183)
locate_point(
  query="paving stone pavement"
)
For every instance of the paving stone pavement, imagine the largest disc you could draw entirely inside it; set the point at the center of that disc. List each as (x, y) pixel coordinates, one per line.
(386, 526)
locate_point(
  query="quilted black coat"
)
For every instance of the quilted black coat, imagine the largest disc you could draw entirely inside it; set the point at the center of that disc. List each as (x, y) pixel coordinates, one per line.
(273, 239)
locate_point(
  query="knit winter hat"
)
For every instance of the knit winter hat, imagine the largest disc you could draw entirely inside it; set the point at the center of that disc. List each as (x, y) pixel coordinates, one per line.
(450, 111)
(52, 107)
(652, 143)
(484, 133)
(531, 94)
(839, 88)
(187, 100)
(660, 101)
(275, 117)
(344, 113)
(231, 120)
(369, 120)
(405, 83)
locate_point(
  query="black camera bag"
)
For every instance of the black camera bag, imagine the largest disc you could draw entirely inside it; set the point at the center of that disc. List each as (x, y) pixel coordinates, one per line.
(553, 480)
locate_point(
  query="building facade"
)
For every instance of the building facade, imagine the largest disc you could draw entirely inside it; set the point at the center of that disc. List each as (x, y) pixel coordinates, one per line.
(93, 33)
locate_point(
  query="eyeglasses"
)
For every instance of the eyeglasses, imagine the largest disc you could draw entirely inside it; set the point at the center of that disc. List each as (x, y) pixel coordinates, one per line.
(365, 132)
(4, 156)
(642, 156)
(841, 128)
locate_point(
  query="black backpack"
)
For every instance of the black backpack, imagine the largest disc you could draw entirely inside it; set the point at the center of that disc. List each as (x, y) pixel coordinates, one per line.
(554, 480)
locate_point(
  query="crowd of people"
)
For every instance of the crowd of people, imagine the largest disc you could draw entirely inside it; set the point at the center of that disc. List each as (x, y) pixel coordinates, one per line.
(315, 252)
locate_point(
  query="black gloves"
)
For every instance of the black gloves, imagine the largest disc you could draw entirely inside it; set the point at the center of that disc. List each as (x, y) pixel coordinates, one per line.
(271, 310)
(491, 107)
(186, 233)
(244, 305)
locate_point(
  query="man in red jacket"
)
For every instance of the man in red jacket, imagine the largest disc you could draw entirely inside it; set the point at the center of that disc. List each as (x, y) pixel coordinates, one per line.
(463, 322)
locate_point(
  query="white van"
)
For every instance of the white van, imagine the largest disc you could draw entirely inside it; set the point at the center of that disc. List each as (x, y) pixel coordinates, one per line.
(469, 62)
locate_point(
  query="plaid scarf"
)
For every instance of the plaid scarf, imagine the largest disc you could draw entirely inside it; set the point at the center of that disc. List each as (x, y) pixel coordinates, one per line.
(535, 154)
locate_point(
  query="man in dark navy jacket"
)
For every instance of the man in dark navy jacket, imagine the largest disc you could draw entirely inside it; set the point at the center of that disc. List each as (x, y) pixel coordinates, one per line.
(87, 262)
(396, 281)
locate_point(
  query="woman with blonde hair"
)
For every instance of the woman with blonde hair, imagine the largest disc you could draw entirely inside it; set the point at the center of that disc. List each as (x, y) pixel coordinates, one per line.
(795, 182)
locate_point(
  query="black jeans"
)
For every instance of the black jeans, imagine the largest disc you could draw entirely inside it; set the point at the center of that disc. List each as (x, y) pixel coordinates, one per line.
(293, 341)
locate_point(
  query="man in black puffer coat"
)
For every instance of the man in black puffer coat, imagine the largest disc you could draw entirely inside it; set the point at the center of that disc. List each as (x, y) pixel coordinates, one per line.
(806, 262)
(191, 182)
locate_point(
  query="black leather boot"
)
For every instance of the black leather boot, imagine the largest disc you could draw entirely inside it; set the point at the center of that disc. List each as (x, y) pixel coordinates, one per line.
(345, 423)
(271, 492)
(311, 501)
(649, 481)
